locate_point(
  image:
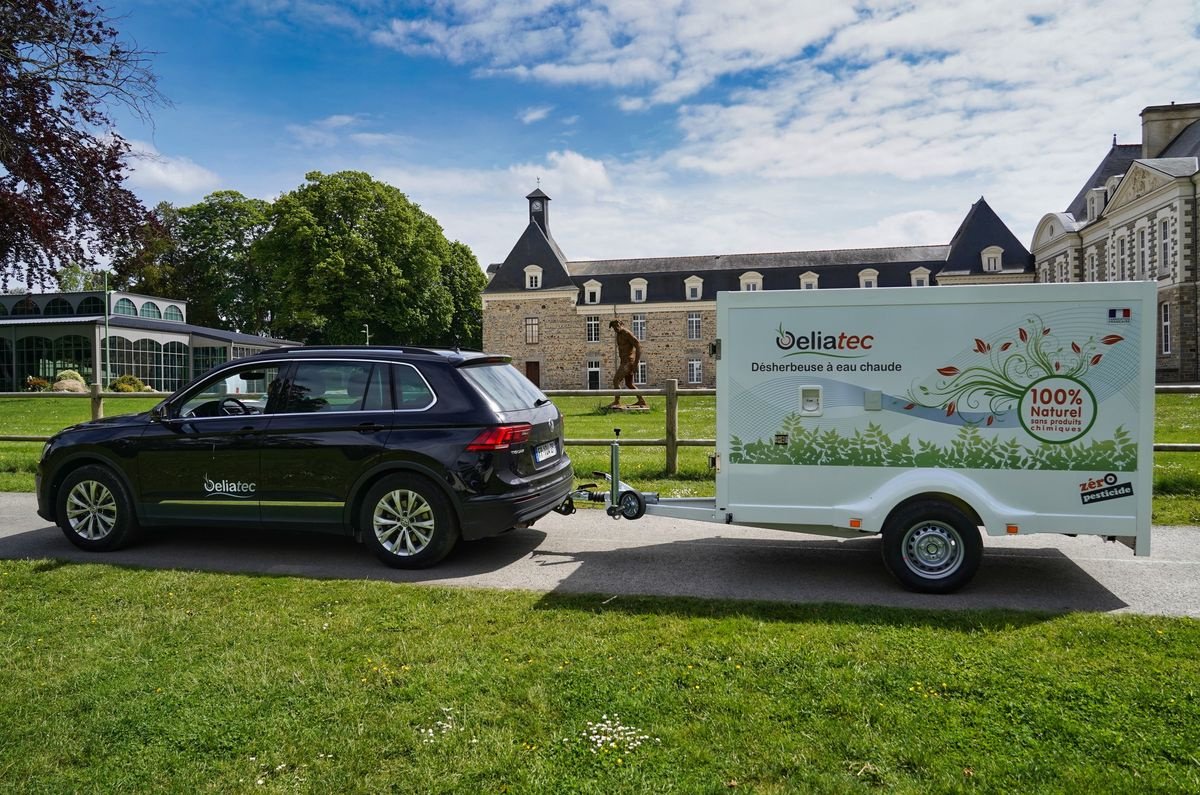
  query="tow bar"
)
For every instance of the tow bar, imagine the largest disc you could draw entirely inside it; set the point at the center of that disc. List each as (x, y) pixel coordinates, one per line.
(619, 498)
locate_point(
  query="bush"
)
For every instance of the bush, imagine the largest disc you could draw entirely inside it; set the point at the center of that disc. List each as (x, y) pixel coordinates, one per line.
(35, 384)
(70, 375)
(127, 383)
(67, 385)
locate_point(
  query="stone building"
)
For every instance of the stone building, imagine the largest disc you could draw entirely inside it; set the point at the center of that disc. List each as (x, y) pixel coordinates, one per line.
(552, 314)
(42, 334)
(1135, 218)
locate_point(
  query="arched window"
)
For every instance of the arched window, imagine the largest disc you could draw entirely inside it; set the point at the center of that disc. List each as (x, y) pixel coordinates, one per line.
(751, 281)
(26, 306)
(90, 306)
(8, 381)
(125, 307)
(118, 352)
(58, 306)
(73, 352)
(151, 310)
(172, 313)
(3, 310)
(148, 362)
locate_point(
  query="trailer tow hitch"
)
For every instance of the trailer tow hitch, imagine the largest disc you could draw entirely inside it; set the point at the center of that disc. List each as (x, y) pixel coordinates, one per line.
(619, 498)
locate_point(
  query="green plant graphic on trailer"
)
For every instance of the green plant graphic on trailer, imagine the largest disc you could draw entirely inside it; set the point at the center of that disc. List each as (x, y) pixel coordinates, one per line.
(970, 449)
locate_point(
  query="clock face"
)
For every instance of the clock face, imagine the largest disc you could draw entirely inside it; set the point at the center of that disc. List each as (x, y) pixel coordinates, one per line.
(536, 205)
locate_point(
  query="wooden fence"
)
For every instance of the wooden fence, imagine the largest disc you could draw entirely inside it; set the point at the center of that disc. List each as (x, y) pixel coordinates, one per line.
(670, 439)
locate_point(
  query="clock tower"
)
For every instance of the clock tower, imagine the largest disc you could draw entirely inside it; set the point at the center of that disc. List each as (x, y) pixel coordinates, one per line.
(539, 210)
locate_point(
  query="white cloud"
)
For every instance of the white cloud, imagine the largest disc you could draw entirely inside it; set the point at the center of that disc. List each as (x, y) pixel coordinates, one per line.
(322, 132)
(534, 114)
(151, 170)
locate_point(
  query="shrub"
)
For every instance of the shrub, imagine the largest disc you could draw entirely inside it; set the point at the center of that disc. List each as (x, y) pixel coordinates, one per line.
(67, 385)
(35, 384)
(70, 375)
(127, 383)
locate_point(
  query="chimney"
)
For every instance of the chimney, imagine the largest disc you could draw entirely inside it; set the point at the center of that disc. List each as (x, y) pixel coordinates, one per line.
(1162, 123)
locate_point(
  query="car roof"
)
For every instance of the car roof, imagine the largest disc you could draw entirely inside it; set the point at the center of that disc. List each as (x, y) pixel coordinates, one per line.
(452, 356)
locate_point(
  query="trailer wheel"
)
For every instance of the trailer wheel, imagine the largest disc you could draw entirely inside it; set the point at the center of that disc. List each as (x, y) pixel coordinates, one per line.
(932, 547)
(632, 504)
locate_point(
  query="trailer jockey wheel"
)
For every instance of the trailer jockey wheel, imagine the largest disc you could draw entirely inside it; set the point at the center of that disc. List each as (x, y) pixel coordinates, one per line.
(632, 504)
(932, 547)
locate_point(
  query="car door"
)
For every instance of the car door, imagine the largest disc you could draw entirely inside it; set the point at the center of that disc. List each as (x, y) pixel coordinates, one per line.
(332, 424)
(199, 461)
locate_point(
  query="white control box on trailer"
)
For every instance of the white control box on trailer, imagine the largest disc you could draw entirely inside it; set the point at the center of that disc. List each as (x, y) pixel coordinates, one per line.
(926, 414)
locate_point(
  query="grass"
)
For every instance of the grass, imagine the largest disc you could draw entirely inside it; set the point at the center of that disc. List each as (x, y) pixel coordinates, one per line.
(1176, 475)
(127, 680)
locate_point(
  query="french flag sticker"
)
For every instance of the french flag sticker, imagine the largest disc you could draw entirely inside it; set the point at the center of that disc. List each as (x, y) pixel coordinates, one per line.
(1119, 315)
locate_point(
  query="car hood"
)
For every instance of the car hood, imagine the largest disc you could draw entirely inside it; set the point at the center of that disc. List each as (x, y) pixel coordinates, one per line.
(120, 421)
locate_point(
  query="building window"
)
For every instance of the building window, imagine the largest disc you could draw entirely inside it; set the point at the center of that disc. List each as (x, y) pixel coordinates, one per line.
(639, 326)
(125, 307)
(992, 259)
(1164, 258)
(593, 328)
(151, 310)
(637, 290)
(695, 371)
(58, 306)
(531, 331)
(808, 280)
(693, 325)
(1063, 276)
(91, 306)
(533, 277)
(693, 287)
(172, 313)
(593, 374)
(1164, 321)
(1121, 258)
(919, 277)
(642, 374)
(1093, 274)
(868, 277)
(591, 292)
(751, 281)
(1141, 254)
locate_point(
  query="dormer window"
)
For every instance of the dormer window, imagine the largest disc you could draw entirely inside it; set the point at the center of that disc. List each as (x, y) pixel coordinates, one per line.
(808, 280)
(637, 291)
(919, 277)
(693, 288)
(533, 277)
(868, 277)
(992, 257)
(591, 292)
(751, 281)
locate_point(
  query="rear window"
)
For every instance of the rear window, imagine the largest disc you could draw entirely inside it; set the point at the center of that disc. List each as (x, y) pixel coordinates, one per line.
(503, 386)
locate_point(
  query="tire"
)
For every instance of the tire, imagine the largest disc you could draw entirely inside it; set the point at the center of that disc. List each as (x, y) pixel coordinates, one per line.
(932, 547)
(94, 510)
(408, 522)
(632, 504)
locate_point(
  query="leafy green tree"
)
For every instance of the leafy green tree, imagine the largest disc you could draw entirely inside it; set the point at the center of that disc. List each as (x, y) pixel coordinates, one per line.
(465, 280)
(204, 254)
(74, 278)
(347, 251)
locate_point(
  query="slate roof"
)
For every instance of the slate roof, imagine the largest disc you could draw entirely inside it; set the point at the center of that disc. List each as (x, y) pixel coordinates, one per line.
(665, 276)
(1117, 161)
(1173, 166)
(1186, 144)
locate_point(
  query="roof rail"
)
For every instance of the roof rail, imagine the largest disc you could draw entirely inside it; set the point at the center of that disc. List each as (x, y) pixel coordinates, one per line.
(351, 348)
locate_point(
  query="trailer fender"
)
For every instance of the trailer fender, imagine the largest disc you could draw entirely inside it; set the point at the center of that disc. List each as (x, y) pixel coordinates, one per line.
(948, 485)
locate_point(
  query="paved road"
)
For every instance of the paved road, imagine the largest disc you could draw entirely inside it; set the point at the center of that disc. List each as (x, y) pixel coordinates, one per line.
(591, 553)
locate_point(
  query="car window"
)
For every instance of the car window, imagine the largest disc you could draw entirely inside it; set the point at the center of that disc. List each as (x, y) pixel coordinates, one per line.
(245, 390)
(412, 392)
(328, 386)
(503, 386)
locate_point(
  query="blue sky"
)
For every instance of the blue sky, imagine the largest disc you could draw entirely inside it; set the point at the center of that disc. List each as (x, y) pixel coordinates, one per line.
(661, 128)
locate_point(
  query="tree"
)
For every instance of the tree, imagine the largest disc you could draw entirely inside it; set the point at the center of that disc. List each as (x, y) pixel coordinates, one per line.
(464, 279)
(74, 278)
(349, 251)
(62, 194)
(204, 254)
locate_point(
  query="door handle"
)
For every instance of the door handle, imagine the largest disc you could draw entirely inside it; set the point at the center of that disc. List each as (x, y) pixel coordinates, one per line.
(244, 430)
(368, 427)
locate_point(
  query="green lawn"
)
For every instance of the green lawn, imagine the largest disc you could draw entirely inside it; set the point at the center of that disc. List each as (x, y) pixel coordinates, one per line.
(1176, 475)
(122, 680)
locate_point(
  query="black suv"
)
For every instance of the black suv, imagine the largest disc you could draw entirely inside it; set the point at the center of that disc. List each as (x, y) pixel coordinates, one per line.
(408, 448)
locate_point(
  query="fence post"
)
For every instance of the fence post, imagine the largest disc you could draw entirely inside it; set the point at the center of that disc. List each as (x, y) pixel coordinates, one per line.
(97, 402)
(672, 426)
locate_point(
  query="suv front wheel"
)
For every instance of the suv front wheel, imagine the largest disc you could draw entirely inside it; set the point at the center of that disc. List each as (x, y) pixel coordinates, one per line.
(94, 511)
(408, 522)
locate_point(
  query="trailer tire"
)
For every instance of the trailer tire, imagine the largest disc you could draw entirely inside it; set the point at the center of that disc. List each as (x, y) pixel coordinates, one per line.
(632, 504)
(931, 547)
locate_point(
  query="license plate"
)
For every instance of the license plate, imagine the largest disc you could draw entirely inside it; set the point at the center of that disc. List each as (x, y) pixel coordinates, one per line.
(545, 451)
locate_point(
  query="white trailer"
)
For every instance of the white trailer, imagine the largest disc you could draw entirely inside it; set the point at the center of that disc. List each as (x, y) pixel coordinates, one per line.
(924, 415)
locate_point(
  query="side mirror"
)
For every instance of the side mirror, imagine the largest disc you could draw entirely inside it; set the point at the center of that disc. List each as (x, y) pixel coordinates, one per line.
(159, 413)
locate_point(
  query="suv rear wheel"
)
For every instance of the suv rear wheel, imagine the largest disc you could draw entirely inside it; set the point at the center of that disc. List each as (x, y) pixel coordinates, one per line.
(94, 511)
(408, 522)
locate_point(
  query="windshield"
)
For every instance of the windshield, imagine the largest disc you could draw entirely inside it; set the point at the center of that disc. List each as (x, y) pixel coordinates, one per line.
(503, 386)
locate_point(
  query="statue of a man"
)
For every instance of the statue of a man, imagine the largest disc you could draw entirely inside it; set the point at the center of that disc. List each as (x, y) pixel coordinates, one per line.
(629, 353)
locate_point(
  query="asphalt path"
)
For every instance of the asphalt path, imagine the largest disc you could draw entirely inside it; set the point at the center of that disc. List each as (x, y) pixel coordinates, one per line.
(592, 553)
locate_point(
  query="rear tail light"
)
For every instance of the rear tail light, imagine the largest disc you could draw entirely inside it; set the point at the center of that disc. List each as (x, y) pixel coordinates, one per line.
(500, 437)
